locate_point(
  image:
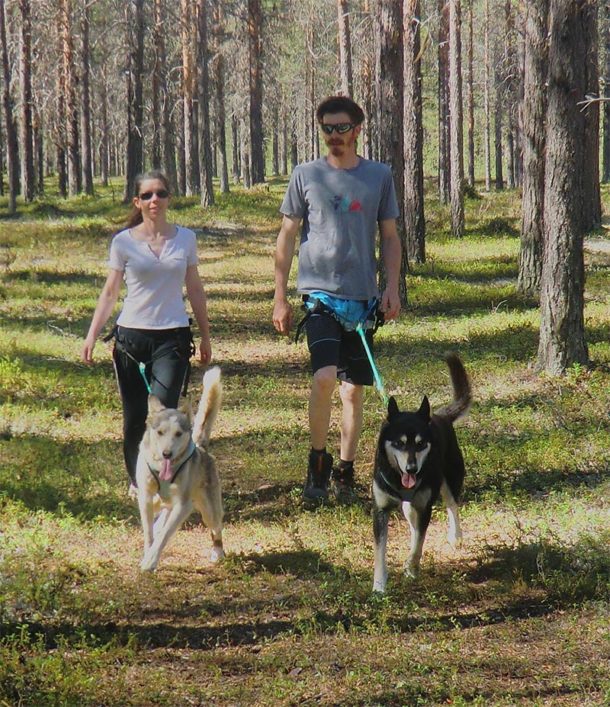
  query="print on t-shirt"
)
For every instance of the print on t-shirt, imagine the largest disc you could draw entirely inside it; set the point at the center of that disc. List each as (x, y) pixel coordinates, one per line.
(344, 204)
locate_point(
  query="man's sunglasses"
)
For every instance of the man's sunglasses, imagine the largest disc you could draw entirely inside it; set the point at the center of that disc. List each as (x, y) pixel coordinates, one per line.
(148, 195)
(341, 128)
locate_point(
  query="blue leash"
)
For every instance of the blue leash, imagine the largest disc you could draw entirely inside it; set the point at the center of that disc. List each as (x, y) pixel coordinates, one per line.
(142, 369)
(376, 374)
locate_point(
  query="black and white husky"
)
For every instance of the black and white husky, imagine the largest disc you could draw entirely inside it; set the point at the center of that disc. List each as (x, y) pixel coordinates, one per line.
(175, 472)
(418, 458)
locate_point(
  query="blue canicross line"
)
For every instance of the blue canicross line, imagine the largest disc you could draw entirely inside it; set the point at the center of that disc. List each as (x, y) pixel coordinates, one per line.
(142, 369)
(376, 374)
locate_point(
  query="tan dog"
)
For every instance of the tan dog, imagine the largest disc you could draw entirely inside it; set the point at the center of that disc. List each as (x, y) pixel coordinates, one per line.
(175, 472)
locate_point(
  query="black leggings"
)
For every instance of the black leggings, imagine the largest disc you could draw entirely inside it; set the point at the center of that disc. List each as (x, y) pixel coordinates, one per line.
(166, 353)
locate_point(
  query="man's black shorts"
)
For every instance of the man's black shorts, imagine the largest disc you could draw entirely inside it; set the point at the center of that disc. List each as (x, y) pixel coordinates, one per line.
(330, 345)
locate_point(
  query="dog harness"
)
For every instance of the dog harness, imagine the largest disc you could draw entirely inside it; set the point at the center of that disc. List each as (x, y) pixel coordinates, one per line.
(405, 495)
(156, 472)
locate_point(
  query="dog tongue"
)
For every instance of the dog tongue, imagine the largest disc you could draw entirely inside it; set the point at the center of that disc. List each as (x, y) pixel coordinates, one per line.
(408, 480)
(166, 470)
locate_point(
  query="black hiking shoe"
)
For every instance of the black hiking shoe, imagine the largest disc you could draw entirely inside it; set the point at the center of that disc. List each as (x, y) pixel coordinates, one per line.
(319, 467)
(343, 485)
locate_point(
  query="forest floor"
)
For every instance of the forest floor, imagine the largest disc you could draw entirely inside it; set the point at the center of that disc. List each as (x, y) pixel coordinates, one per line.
(519, 615)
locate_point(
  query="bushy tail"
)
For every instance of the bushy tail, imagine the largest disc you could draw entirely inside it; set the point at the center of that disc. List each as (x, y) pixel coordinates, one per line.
(462, 394)
(209, 405)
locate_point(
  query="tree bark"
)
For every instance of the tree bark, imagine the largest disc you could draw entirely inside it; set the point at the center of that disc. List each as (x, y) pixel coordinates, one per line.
(391, 133)
(415, 228)
(188, 92)
(592, 207)
(606, 91)
(134, 164)
(456, 121)
(562, 333)
(28, 184)
(255, 23)
(534, 112)
(470, 81)
(86, 152)
(487, 99)
(444, 160)
(345, 49)
(205, 145)
(218, 74)
(12, 147)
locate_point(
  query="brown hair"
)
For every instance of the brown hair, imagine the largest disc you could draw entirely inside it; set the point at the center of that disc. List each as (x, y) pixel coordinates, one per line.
(135, 217)
(340, 104)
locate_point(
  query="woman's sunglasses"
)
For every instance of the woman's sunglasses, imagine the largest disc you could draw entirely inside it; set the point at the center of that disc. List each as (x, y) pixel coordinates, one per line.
(341, 128)
(148, 195)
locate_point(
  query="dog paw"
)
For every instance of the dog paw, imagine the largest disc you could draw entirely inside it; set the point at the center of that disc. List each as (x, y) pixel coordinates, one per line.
(411, 571)
(379, 587)
(148, 564)
(455, 541)
(216, 554)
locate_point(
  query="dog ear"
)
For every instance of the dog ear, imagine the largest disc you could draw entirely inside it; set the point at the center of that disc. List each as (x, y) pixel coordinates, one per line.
(424, 409)
(154, 404)
(392, 408)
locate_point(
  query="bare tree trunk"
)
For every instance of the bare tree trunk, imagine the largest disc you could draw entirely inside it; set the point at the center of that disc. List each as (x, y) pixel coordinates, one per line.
(134, 164)
(415, 229)
(87, 169)
(487, 101)
(534, 112)
(592, 211)
(562, 332)
(470, 81)
(104, 129)
(367, 98)
(310, 98)
(391, 138)
(244, 131)
(606, 91)
(25, 88)
(345, 49)
(205, 145)
(235, 138)
(255, 23)
(12, 147)
(444, 175)
(275, 141)
(498, 112)
(456, 124)
(156, 84)
(188, 92)
(218, 74)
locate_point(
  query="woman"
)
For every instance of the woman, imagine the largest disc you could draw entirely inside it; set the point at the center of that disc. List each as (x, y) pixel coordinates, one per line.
(153, 340)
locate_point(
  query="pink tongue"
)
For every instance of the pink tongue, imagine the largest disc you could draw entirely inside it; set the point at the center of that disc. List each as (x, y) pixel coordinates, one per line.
(166, 470)
(408, 481)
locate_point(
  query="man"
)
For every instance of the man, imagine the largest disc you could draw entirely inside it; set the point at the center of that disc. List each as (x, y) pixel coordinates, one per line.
(340, 199)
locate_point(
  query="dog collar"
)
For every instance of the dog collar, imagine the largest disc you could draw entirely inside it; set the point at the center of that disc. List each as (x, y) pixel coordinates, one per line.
(402, 493)
(192, 448)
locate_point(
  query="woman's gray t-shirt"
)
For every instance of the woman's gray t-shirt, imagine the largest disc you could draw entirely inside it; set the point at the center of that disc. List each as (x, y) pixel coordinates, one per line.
(340, 209)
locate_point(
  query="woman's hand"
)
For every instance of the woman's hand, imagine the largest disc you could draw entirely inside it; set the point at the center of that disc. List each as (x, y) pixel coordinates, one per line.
(205, 351)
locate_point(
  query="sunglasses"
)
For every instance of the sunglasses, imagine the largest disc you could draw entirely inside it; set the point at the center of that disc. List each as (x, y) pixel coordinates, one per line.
(341, 128)
(148, 195)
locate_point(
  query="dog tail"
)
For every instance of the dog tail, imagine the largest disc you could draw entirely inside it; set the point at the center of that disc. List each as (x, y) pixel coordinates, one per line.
(462, 394)
(209, 405)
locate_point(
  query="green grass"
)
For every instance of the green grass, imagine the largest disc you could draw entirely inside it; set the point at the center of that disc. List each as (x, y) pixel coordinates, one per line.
(517, 616)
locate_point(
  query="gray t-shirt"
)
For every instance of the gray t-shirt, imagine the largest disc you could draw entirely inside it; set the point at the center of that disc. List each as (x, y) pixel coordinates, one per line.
(340, 209)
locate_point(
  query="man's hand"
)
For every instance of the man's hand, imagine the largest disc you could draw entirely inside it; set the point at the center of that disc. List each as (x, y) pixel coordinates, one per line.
(282, 316)
(390, 304)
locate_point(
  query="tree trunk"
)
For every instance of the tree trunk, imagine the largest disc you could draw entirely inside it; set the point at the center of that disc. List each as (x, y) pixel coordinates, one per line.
(391, 137)
(87, 169)
(188, 90)
(218, 79)
(415, 228)
(470, 81)
(28, 184)
(255, 23)
(456, 123)
(345, 49)
(205, 145)
(498, 114)
(534, 112)
(134, 164)
(157, 84)
(444, 175)
(606, 91)
(104, 156)
(487, 100)
(562, 334)
(592, 211)
(367, 95)
(12, 147)
(235, 139)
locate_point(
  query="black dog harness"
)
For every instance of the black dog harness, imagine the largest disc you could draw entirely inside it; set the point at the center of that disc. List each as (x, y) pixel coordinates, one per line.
(155, 472)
